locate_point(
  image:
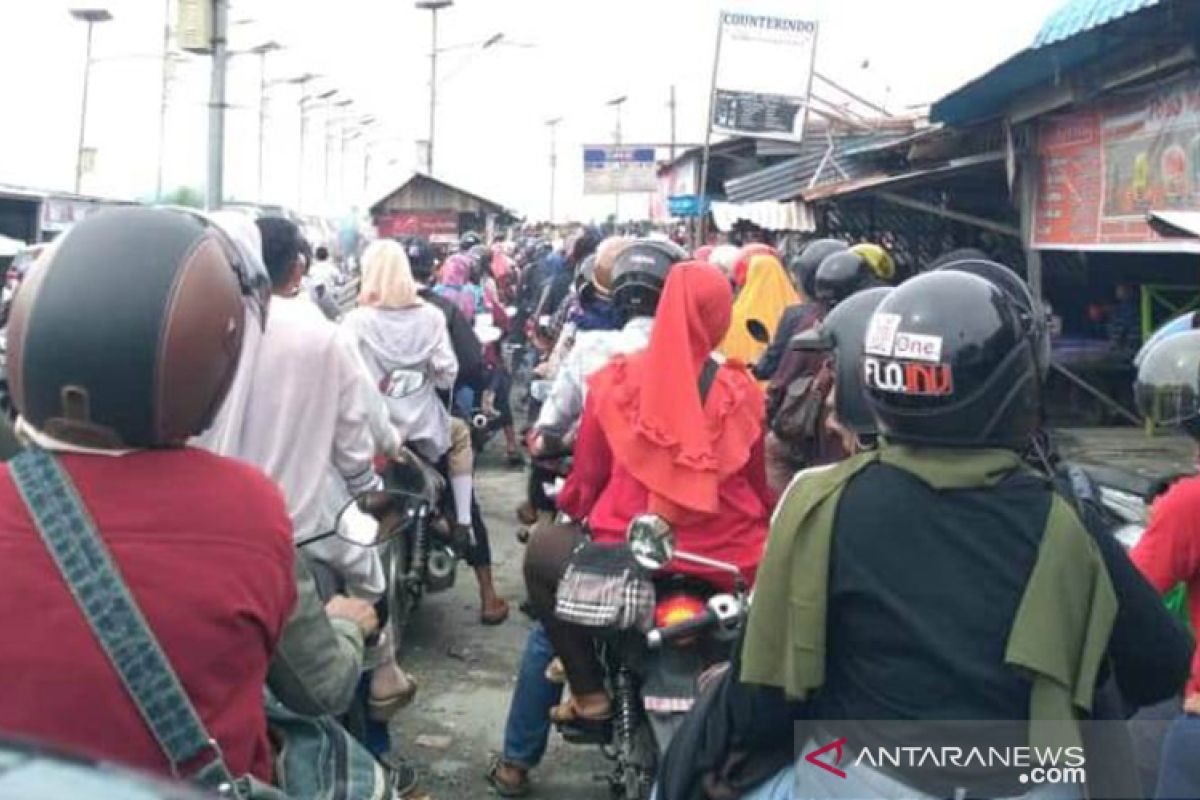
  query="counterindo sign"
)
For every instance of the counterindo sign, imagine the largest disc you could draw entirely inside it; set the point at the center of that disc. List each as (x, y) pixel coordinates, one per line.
(608, 169)
(763, 75)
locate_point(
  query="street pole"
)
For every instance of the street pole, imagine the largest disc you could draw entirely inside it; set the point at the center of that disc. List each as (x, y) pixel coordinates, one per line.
(91, 16)
(617, 103)
(262, 118)
(553, 125)
(433, 6)
(672, 104)
(162, 108)
(216, 108)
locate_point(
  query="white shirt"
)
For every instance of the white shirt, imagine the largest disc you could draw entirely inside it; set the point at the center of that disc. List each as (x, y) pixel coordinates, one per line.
(592, 350)
(305, 409)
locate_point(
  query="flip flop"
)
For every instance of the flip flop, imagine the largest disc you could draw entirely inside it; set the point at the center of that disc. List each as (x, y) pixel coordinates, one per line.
(501, 788)
(567, 714)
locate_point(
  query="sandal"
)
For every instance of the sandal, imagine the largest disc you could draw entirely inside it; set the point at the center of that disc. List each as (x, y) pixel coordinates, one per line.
(568, 713)
(519, 789)
(496, 617)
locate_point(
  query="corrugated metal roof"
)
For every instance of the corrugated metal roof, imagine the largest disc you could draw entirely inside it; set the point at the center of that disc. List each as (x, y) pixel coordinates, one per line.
(787, 179)
(1078, 16)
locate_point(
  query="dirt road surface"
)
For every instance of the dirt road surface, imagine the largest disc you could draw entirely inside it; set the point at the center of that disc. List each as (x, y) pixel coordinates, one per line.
(467, 673)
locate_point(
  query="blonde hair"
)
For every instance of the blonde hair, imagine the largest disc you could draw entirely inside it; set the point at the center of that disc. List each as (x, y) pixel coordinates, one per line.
(387, 277)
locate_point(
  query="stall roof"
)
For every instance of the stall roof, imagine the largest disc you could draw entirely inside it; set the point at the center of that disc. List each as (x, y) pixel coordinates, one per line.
(497, 208)
(790, 178)
(890, 181)
(1079, 32)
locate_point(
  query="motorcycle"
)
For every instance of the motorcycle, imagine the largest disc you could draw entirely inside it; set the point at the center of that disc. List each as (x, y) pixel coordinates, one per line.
(652, 676)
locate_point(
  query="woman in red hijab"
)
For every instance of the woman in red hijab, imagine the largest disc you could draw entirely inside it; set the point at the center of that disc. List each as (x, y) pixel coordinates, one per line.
(648, 443)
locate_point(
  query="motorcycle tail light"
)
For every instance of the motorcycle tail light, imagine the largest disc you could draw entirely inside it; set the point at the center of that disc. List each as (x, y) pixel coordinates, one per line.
(677, 608)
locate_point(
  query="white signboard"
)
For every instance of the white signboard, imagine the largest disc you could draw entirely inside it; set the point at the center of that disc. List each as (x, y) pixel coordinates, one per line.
(763, 75)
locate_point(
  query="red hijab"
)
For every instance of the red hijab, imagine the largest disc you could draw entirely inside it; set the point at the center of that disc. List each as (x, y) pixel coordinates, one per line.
(648, 403)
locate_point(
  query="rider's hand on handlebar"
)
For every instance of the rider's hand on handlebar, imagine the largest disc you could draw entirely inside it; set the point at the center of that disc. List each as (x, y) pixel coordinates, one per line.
(377, 504)
(360, 612)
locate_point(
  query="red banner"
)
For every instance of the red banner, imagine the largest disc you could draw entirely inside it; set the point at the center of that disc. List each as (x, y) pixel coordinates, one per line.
(1104, 168)
(433, 225)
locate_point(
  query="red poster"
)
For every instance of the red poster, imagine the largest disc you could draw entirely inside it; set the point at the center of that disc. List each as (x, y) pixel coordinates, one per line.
(432, 225)
(1104, 168)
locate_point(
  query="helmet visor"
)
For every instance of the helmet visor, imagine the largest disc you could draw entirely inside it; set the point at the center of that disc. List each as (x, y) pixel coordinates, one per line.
(1168, 380)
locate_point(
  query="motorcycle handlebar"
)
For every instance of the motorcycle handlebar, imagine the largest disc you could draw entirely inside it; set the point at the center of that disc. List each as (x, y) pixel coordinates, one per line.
(657, 637)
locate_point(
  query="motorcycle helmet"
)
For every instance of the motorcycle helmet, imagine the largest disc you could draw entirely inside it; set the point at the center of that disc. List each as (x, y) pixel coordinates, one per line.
(948, 360)
(130, 332)
(638, 274)
(880, 260)
(841, 275)
(961, 254)
(842, 333)
(804, 266)
(420, 257)
(600, 281)
(1184, 322)
(1167, 388)
(1031, 312)
(469, 239)
(481, 261)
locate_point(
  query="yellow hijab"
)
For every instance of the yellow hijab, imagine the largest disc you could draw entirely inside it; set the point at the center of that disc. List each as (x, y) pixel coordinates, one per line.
(768, 291)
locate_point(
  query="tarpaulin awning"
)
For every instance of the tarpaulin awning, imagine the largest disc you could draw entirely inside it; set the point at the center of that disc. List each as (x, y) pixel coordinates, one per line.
(769, 215)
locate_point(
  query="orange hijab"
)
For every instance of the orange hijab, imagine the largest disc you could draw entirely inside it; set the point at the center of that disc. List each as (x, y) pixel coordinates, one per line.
(648, 403)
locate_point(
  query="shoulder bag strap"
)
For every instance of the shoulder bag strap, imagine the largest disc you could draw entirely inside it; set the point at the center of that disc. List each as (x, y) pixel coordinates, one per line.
(85, 564)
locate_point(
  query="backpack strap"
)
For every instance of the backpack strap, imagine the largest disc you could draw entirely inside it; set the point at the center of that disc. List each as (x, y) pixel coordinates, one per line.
(708, 374)
(88, 569)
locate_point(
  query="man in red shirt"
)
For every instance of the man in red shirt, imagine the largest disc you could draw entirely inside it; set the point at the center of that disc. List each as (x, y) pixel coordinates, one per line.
(122, 345)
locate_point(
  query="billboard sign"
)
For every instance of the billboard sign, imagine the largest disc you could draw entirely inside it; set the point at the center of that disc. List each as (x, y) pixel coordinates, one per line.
(436, 226)
(1105, 167)
(608, 169)
(763, 75)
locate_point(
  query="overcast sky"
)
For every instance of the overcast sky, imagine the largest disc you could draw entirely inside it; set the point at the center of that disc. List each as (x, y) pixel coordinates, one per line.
(558, 58)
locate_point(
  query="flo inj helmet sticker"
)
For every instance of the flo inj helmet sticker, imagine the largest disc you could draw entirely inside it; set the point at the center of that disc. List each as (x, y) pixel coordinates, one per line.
(908, 377)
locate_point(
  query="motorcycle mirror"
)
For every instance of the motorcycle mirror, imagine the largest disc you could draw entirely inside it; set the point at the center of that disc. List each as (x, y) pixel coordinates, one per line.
(651, 541)
(758, 332)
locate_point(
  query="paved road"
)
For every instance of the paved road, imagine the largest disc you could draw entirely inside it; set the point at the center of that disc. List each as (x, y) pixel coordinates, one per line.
(467, 673)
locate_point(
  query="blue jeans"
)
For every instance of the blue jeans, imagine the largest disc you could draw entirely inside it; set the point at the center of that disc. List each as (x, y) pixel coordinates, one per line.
(1179, 775)
(527, 731)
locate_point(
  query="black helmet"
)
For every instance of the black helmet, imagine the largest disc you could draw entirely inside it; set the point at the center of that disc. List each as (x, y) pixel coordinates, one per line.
(948, 360)
(638, 275)
(1168, 382)
(420, 257)
(481, 261)
(469, 239)
(130, 332)
(843, 332)
(804, 266)
(841, 275)
(1009, 282)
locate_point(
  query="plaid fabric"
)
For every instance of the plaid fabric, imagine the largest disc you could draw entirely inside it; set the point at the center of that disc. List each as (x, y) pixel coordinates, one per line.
(604, 588)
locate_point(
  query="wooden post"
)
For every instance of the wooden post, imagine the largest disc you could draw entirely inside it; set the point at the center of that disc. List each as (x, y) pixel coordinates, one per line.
(1027, 196)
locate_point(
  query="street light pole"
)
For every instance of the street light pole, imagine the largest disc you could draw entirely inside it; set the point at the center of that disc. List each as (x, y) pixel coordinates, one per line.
(91, 16)
(433, 6)
(302, 81)
(162, 108)
(617, 103)
(215, 189)
(553, 125)
(262, 51)
(329, 120)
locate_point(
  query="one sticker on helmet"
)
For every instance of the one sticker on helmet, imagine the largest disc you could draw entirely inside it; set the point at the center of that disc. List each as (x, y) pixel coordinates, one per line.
(907, 377)
(881, 334)
(917, 347)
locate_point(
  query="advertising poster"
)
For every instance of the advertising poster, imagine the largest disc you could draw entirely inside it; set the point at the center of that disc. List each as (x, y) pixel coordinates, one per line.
(1104, 168)
(608, 169)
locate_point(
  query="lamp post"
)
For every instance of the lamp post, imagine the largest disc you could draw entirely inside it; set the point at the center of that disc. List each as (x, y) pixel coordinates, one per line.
(433, 6)
(302, 81)
(215, 189)
(262, 51)
(329, 119)
(553, 125)
(616, 103)
(91, 16)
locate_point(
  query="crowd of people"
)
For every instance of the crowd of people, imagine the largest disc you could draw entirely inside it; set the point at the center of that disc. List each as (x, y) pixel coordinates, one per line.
(870, 454)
